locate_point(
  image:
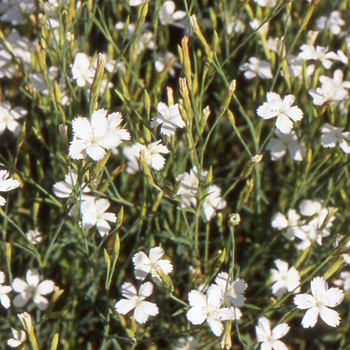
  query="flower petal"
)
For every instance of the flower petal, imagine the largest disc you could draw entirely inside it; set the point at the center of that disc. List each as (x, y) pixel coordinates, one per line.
(310, 318)
(329, 316)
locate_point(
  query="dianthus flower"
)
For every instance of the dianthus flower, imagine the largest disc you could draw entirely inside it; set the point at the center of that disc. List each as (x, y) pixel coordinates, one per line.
(134, 300)
(32, 288)
(94, 213)
(152, 264)
(331, 136)
(284, 279)
(9, 117)
(233, 292)
(212, 202)
(278, 146)
(256, 67)
(152, 152)
(6, 185)
(169, 119)
(93, 137)
(208, 308)
(4, 290)
(319, 303)
(270, 340)
(282, 109)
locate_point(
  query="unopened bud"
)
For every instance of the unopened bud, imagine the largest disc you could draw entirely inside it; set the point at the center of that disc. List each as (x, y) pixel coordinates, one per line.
(234, 220)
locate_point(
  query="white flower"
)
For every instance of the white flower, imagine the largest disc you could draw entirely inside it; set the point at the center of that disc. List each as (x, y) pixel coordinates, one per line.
(332, 91)
(152, 264)
(32, 289)
(188, 189)
(169, 118)
(9, 117)
(207, 308)
(256, 67)
(143, 309)
(213, 202)
(82, 73)
(332, 22)
(274, 44)
(266, 3)
(163, 60)
(34, 236)
(93, 137)
(18, 338)
(296, 68)
(282, 109)
(291, 222)
(309, 52)
(64, 189)
(94, 213)
(270, 340)
(152, 152)
(317, 227)
(332, 135)
(319, 302)
(168, 15)
(233, 292)
(4, 299)
(6, 184)
(344, 280)
(284, 280)
(279, 146)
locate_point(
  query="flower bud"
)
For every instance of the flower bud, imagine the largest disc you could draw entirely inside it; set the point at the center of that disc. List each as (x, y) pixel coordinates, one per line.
(234, 219)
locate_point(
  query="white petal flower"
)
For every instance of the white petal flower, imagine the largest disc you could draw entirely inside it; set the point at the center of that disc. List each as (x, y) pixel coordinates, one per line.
(188, 189)
(32, 288)
(270, 340)
(34, 236)
(18, 338)
(94, 213)
(317, 225)
(279, 146)
(143, 309)
(344, 280)
(169, 119)
(282, 109)
(4, 290)
(152, 264)
(213, 202)
(64, 189)
(332, 22)
(152, 153)
(82, 73)
(168, 15)
(331, 136)
(284, 279)
(207, 308)
(93, 137)
(6, 184)
(9, 117)
(332, 90)
(256, 67)
(318, 303)
(232, 292)
(309, 52)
